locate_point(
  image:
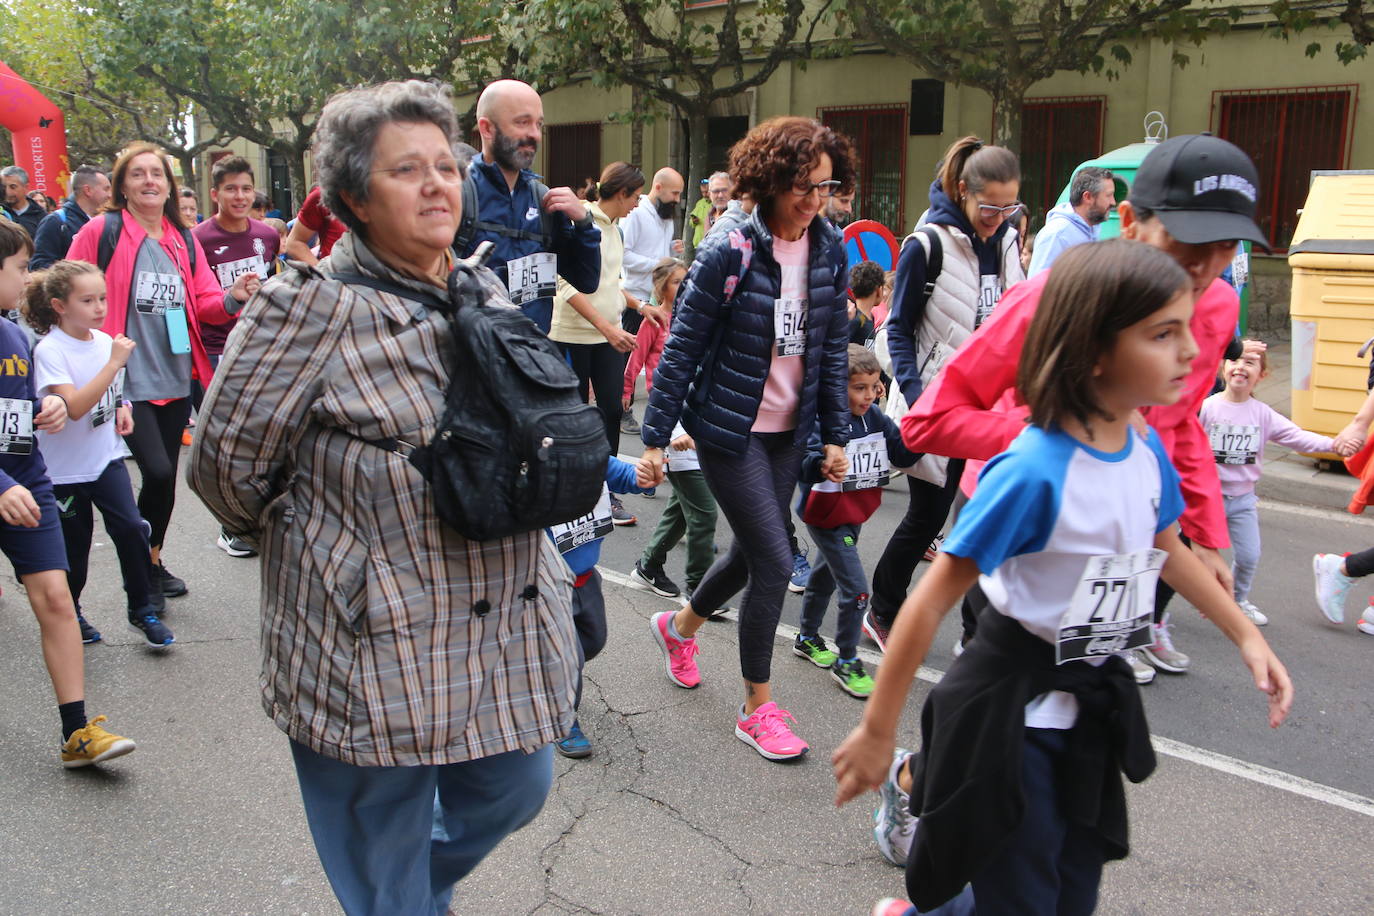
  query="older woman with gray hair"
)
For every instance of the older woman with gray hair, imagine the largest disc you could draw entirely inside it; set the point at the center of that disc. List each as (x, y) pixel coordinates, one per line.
(420, 677)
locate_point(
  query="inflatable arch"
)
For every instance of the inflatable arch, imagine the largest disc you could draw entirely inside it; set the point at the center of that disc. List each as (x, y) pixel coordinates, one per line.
(40, 135)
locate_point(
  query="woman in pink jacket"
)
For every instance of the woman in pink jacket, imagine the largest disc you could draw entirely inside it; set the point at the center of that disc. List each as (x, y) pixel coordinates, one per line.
(160, 291)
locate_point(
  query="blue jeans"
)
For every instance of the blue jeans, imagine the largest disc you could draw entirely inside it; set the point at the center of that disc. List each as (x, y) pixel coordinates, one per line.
(838, 565)
(395, 840)
(1048, 866)
(1242, 523)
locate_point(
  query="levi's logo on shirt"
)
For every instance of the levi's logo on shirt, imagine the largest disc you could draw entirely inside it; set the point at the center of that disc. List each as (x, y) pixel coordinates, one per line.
(15, 365)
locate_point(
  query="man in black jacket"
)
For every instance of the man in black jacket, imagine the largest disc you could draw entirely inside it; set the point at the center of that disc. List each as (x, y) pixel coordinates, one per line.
(90, 190)
(17, 204)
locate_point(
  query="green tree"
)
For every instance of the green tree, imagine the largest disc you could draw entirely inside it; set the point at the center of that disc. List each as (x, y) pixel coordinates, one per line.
(1004, 47)
(682, 59)
(263, 69)
(1355, 15)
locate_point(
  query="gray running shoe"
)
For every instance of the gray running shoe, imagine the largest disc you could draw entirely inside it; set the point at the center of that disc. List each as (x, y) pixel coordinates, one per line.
(894, 826)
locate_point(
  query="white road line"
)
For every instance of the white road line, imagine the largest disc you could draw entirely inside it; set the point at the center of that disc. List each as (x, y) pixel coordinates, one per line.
(1231, 766)
(1326, 515)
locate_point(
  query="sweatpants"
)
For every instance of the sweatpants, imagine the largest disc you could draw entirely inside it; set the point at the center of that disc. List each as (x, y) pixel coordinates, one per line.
(1048, 864)
(837, 566)
(752, 490)
(691, 511)
(113, 494)
(589, 619)
(1242, 523)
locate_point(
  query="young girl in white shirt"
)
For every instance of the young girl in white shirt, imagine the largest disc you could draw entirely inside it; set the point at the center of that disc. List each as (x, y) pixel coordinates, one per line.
(85, 366)
(1018, 785)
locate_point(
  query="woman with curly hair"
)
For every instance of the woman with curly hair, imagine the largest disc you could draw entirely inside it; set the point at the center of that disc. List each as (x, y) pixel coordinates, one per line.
(755, 367)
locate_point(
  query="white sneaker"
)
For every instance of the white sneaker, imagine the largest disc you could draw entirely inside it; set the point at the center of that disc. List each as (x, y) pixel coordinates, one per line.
(1366, 622)
(1332, 586)
(894, 826)
(1254, 613)
(1162, 654)
(1143, 672)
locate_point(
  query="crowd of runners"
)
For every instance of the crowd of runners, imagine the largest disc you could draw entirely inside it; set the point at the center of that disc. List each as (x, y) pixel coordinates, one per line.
(1088, 437)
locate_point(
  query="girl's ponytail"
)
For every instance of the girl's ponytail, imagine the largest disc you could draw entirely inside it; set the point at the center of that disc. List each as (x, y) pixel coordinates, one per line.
(46, 285)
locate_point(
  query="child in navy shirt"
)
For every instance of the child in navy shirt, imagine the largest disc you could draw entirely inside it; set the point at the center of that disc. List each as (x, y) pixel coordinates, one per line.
(580, 543)
(1017, 787)
(835, 513)
(30, 536)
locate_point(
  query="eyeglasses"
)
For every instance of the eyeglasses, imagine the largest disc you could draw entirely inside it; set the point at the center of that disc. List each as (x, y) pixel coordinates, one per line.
(447, 171)
(1007, 212)
(825, 189)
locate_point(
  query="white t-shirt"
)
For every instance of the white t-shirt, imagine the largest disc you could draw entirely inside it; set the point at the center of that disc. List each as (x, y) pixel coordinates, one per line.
(1043, 510)
(84, 447)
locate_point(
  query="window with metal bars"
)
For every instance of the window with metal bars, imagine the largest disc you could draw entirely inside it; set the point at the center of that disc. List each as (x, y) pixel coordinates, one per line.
(574, 153)
(1287, 133)
(879, 135)
(1056, 135)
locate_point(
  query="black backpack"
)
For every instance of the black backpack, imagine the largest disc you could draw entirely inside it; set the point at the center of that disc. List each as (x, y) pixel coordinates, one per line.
(110, 231)
(516, 449)
(469, 224)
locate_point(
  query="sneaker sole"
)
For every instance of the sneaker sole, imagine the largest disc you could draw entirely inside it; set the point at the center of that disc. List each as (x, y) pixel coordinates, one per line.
(176, 593)
(801, 653)
(149, 643)
(645, 585)
(579, 754)
(624, 522)
(93, 640)
(795, 589)
(744, 736)
(1365, 626)
(667, 660)
(1317, 576)
(118, 749)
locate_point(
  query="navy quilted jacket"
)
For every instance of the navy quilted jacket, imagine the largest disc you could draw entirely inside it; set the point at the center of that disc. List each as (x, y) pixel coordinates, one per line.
(719, 411)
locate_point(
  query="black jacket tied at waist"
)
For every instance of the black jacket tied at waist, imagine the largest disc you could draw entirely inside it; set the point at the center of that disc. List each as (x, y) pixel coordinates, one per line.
(966, 785)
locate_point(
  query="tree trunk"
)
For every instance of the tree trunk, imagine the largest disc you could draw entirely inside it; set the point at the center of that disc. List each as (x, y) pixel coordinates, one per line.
(636, 127)
(188, 177)
(697, 164)
(295, 164)
(1008, 105)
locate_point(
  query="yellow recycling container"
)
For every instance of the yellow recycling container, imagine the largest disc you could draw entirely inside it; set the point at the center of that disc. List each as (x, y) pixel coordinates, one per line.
(1332, 306)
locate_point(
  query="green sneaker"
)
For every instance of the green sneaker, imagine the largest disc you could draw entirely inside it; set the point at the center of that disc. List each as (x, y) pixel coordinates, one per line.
(814, 650)
(852, 677)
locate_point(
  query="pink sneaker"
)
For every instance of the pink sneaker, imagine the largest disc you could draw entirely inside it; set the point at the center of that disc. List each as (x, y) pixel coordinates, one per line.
(892, 906)
(766, 731)
(678, 654)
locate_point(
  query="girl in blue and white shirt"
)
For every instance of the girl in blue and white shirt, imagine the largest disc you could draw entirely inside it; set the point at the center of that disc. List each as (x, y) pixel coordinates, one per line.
(1017, 786)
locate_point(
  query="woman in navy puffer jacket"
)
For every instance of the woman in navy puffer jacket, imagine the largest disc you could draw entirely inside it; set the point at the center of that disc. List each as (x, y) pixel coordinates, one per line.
(758, 356)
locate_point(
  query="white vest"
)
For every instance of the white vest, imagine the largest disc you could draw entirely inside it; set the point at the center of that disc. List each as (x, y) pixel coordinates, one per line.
(951, 316)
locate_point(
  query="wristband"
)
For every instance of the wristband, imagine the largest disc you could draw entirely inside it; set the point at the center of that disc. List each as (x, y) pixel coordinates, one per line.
(128, 404)
(54, 394)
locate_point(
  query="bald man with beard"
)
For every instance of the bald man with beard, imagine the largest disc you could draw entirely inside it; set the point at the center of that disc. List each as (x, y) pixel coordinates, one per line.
(536, 241)
(650, 237)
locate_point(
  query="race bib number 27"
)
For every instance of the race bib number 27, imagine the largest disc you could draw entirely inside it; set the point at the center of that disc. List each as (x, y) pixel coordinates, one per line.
(1112, 608)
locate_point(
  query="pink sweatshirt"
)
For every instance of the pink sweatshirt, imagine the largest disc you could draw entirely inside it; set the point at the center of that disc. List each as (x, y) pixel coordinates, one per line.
(782, 391)
(1238, 432)
(648, 348)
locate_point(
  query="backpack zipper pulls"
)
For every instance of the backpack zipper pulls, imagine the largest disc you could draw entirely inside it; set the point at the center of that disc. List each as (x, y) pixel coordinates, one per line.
(544, 447)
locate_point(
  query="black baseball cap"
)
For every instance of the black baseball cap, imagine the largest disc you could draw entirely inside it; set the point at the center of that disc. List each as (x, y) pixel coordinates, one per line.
(1203, 188)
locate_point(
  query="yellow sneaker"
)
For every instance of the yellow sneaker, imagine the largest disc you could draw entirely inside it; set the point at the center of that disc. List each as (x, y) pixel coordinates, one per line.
(93, 744)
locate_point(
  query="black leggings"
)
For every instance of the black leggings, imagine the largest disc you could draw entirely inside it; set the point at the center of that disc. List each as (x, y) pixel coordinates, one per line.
(156, 446)
(1164, 593)
(113, 495)
(752, 491)
(602, 368)
(925, 516)
(1361, 564)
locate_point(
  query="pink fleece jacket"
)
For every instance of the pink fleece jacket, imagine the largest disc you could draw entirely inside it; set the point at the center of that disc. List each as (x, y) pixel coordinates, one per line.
(205, 298)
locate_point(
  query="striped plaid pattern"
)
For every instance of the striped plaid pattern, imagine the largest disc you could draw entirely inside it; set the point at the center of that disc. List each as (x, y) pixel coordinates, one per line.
(387, 638)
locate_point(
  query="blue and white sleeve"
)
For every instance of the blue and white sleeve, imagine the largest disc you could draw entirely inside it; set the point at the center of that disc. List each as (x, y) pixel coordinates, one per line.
(1013, 511)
